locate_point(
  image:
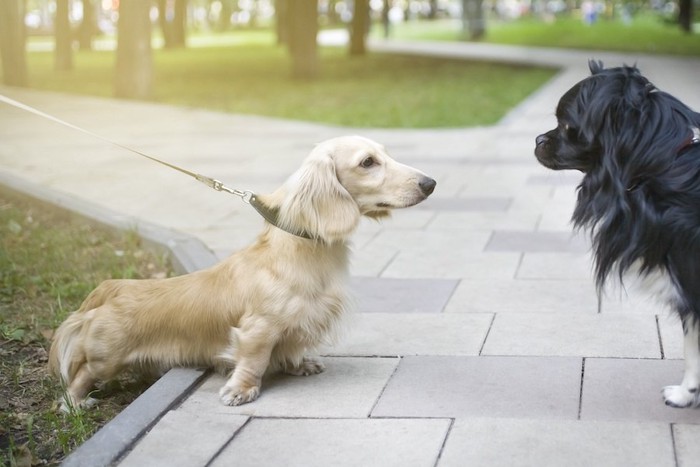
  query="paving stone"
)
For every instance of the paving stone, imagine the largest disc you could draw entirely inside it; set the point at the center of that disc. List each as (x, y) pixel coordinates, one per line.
(465, 204)
(447, 263)
(348, 388)
(432, 241)
(512, 220)
(574, 334)
(622, 389)
(527, 241)
(687, 446)
(671, 332)
(556, 266)
(510, 442)
(543, 387)
(391, 334)
(385, 295)
(179, 440)
(351, 443)
(523, 296)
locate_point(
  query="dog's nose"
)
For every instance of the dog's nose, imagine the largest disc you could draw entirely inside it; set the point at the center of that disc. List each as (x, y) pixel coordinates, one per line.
(540, 140)
(427, 185)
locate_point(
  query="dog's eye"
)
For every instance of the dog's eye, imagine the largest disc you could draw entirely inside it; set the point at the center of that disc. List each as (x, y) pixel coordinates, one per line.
(367, 162)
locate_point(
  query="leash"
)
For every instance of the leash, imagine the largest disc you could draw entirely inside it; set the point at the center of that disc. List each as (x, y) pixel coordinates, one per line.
(271, 215)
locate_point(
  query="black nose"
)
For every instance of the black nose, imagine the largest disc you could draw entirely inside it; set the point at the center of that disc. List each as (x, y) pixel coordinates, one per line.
(540, 140)
(427, 185)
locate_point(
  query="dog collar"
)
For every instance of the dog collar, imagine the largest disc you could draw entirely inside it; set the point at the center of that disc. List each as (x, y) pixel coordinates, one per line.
(271, 215)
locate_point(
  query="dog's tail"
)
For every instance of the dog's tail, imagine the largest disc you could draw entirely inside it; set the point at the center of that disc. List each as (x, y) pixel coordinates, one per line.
(67, 354)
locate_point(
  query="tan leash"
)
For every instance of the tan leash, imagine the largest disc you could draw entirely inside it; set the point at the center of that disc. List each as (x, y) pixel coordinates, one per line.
(271, 215)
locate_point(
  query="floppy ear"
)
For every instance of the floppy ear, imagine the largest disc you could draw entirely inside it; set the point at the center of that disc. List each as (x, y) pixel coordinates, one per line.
(317, 203)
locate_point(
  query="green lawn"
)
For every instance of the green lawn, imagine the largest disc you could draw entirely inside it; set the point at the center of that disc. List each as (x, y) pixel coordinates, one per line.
(252, 77)
(647, 33)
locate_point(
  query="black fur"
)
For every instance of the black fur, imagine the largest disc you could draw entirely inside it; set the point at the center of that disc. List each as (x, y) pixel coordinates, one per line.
(640, 195)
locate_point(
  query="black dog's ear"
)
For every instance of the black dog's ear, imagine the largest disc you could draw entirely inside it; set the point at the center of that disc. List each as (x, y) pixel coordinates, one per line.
(596, 66)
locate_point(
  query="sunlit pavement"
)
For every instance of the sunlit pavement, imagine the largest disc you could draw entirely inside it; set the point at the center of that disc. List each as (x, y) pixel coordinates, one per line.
(478, 338)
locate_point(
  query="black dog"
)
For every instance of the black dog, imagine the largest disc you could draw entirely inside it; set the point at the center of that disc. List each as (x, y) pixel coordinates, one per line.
(639, 149)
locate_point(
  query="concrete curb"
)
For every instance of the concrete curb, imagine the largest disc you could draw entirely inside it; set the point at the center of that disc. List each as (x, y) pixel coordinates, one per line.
(187, 254)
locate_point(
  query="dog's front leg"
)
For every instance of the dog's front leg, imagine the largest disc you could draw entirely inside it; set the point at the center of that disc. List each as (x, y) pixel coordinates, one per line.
(253, 350)
(688, 392)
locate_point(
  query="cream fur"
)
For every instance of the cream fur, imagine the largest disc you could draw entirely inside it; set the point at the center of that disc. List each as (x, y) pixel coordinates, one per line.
(261, 309)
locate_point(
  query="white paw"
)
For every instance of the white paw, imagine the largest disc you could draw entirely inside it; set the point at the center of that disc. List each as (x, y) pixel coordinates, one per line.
(309, 366)
(67, 406)
(237, 396)
(680, 397)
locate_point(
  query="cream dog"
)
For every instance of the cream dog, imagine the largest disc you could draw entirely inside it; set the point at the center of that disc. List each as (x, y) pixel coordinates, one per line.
(261, 309)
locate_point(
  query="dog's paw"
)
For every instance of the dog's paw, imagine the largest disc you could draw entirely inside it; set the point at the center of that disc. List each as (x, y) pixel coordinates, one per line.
(68, 406)
(309, 366)
(680, 397)
(236, 396)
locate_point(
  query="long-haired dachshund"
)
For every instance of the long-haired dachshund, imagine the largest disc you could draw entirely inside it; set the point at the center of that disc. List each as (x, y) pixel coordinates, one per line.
(265, 307)
(639, 150)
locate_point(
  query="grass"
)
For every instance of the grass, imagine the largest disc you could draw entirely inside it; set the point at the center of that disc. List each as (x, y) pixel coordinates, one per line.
(252, 77)
(48, 264)
(647, 33)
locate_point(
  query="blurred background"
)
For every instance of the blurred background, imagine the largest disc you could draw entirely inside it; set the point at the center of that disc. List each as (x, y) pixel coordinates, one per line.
(274, 57)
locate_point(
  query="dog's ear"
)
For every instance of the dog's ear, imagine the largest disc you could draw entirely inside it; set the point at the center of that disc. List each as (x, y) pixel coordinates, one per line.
(316, 202)
(596, 66)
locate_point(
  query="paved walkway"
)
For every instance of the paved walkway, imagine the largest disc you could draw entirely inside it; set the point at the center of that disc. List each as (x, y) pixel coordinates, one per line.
(478, 339)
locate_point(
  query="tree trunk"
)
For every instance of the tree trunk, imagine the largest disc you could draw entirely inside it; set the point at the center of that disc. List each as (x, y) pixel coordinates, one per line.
(282, 17)
(63, 53)
(134, 66)
(473, 21)
(172, 19)
(12, 43)
(685, 15)
(303, 27)
(88, 25)
(359, 27)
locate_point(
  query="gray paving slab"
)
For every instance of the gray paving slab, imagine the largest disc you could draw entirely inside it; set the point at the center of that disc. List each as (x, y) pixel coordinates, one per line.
(449, 264)
(526, 296)
(390, 334)
(179, 440)
(671, 334)
(387, 295)
(555, 443)
(518, 387)
(623, 389)
(351, 443)
(556, 266)
(574, 334)
(466, 204)
(686, 442)
(540, 241)
(349, 387)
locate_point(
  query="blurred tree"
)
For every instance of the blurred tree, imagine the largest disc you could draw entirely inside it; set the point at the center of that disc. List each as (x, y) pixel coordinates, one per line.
(359, 27)
(473, 21)
(134, 65)
(685, 15)
(88, 26)
(13, 43)
(386, 8)
(302, 28)
(172, 18)
(63, 52)
(282, 21)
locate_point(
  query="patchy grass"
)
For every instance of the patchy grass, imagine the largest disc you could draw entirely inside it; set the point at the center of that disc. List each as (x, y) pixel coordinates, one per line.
(49, 262)
(377, 90)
